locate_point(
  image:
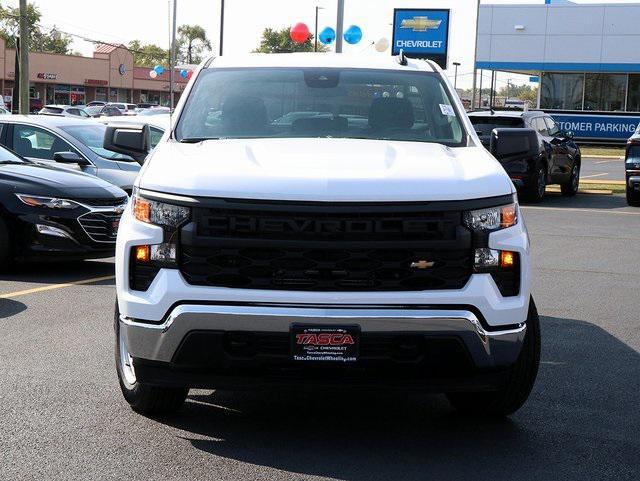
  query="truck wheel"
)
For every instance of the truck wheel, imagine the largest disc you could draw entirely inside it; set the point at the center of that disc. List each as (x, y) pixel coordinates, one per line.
(571, 188)
(534, 192)
(633, 197)
(143, 398)
(519, 384)
(5, 247)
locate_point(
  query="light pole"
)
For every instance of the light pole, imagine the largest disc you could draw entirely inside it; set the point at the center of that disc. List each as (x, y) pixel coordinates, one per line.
(172, 65)
(315, 37)
(221, 25)
(475, 53)
(339, 26)
(23, 80)
(455, 78)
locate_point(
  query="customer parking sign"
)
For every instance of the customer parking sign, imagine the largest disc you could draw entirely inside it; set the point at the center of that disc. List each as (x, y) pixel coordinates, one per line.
(421, 33)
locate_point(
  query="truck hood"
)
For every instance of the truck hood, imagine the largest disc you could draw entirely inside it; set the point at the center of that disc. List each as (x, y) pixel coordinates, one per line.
(324, 170)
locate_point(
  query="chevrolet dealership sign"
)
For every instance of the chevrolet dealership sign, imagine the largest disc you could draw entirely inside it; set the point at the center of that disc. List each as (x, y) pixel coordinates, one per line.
(421, 33)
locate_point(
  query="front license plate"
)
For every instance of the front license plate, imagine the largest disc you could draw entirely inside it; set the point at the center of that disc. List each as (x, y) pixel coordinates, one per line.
(319, 343)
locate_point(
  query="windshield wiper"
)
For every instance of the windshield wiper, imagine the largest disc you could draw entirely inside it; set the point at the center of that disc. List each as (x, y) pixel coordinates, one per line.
(195, 140)
(12, 162)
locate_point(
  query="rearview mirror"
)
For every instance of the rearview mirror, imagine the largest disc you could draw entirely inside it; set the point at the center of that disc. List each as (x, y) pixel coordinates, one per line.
(131, 140)
(70, 158)
(514, 143)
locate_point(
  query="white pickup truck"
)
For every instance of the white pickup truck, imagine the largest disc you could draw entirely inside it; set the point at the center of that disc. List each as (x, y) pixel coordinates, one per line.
(320, 221)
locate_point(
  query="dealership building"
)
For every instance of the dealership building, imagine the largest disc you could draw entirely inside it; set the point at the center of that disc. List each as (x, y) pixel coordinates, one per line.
(584, 56)
(109, 75)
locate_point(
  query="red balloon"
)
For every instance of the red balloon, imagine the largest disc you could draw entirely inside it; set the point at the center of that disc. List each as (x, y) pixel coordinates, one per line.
(299, 33)
(189, 74)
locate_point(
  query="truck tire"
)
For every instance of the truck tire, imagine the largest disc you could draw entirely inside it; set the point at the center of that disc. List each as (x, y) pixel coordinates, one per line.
(520, 380)
(534, 192)
(571, 188)
(5, 247)
(633, 197)
(143, 398)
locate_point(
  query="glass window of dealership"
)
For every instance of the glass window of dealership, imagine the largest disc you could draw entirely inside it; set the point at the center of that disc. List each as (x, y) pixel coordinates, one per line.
(602, 92)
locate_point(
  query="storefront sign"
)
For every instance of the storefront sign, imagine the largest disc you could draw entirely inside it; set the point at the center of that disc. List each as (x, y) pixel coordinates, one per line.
(93, 81)
(422, 33)
(597, 127)
(47, 76)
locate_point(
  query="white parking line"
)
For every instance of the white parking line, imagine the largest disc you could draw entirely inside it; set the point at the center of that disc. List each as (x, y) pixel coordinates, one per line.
(576, 209)
(606, 161)
(593, 175)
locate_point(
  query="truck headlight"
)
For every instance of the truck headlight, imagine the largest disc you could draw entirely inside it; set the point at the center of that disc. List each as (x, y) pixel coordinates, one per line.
(49, 202)
(158, 213)
(492, 218)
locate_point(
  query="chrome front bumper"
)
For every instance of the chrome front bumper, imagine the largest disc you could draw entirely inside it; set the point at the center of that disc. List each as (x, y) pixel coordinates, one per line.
(159, 342)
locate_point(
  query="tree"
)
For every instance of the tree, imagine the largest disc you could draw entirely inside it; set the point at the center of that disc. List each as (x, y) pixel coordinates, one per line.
(53, 41)
(279, 41)
(192, 41)
(148, 55)
(522, 92)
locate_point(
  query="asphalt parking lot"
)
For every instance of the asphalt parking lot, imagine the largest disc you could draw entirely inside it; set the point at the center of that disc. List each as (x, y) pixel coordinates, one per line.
(601, 169)
(63, 416)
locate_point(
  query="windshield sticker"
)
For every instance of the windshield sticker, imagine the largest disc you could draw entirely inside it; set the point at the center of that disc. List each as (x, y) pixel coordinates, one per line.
(447, 110)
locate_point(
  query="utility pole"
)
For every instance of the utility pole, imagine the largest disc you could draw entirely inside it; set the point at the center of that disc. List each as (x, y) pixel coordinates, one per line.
(172, 64)
(24, 59)
(475, 53)
(339, 26)
(315, 37)
(455, 78)
(222, 24)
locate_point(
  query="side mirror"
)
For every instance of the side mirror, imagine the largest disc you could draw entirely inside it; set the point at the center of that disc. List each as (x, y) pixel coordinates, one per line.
(568, 134)
(131, 140)
(70, 158)
(507, 144)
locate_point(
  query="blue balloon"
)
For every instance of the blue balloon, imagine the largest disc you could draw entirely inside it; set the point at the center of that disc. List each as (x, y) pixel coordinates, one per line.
(184, 73)
(159, 69)
(327, 36)
(353, 34)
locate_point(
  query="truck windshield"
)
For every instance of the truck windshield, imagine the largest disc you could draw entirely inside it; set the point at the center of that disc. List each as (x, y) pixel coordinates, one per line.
(301, 102)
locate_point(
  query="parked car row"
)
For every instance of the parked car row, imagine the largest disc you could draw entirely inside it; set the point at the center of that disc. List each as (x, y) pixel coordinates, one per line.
(61, 192)
(99, 108)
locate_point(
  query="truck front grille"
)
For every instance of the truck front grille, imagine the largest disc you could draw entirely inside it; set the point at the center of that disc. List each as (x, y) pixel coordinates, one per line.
(332, 247)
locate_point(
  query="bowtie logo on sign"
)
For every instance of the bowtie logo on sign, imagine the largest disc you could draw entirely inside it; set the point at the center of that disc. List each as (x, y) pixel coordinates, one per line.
(421, 33)
(420, 24)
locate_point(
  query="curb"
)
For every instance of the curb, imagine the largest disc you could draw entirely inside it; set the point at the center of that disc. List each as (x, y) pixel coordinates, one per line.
(610, 182)
(610, 157)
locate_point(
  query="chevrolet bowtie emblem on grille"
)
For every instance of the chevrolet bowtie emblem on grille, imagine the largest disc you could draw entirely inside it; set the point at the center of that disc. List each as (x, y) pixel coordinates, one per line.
(422, 264)
(420, 24)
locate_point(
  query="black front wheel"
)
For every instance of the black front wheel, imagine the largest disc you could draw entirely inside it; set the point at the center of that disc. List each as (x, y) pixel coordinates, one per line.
(571, 188)
(522, 376)
(6, 251)
(537, 187)
(633, 197)
(143, 398)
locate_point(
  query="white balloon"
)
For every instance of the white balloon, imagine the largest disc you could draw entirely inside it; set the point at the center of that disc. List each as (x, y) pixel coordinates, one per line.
(382, 44)
(153, 74)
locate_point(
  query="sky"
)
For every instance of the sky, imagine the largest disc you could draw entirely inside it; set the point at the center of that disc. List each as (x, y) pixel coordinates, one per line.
(121, 21)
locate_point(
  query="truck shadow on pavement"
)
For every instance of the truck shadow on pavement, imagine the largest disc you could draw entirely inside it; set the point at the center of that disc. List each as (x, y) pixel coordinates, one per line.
(10, 308)
(581, 422)
(581, 201)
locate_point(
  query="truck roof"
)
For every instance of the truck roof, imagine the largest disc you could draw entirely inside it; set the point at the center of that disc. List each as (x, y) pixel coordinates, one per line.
(320, 60)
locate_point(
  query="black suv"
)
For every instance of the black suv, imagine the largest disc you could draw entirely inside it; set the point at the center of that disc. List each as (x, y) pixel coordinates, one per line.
(559, 159)
(632, 169)
(55, 214)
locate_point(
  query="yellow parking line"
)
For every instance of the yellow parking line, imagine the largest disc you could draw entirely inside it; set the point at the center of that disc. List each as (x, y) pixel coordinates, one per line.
(54, 286)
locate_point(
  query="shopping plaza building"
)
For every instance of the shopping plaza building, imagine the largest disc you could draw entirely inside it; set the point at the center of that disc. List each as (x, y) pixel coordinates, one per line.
(586, 58)
(109, 75)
